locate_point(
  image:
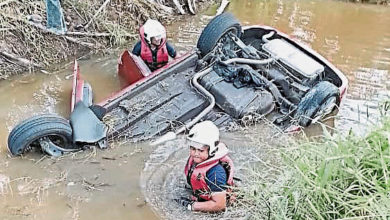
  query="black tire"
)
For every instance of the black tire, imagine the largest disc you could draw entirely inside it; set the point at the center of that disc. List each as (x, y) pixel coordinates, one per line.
(215, 29)
(28, 132)
(318, 102)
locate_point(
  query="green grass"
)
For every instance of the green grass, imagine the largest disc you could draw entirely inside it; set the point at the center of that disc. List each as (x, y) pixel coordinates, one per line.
(337, 178)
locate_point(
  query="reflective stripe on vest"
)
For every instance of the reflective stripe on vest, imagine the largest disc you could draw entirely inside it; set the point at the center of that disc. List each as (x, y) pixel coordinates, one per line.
(196, 175)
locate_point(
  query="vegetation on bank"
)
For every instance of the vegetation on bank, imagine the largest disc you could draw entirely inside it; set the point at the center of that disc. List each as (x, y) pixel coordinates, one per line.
(337, 178)
(93, 26)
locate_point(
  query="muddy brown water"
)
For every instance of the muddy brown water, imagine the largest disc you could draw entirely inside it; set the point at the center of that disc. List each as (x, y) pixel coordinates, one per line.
(136, 181)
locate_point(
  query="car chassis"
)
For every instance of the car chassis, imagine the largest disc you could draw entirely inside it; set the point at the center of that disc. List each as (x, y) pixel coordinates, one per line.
(234, 72)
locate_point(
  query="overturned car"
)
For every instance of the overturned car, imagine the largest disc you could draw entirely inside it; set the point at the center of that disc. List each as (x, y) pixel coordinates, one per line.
(234, 72)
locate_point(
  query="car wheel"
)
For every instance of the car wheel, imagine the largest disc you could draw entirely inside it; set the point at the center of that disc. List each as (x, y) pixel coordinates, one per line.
(49, 127)
(215, 30)
(318, 102)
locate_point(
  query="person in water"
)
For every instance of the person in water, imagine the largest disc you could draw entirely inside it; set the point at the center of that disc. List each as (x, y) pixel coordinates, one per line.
(153, 47)
(209, 170)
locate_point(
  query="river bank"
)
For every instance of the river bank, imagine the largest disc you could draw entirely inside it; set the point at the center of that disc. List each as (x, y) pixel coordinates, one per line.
(93, 27)
(335, 177)
(26, 46)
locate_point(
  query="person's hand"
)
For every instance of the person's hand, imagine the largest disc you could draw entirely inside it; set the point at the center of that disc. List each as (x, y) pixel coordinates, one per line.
(187, 203)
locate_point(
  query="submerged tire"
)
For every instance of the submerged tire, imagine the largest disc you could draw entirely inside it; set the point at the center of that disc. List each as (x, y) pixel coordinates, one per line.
(214, 30)
(29, 131)
(318, 102)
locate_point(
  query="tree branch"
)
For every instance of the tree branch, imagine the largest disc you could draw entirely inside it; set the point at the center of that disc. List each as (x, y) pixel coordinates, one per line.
(222, 7)
(96, 14)
(91, 34)
(178, 6)
(71, 39)
(18, 60)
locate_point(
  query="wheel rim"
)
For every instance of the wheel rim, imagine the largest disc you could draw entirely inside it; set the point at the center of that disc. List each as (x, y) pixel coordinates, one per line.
(55, 145)
(226, 40)
(224, 36)
(59, 141)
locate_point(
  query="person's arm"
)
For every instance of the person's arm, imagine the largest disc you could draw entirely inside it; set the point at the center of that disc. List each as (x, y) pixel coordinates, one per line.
(137, 49)
(171, 50)
(216, 180)
(216, 204)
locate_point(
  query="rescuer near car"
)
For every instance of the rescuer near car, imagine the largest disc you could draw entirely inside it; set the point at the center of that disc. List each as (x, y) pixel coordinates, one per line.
(153, 47)
(209, 170)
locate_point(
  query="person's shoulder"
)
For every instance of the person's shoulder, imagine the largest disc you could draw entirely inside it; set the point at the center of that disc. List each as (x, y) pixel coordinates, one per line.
(138, 44)
(171, 49)
(216, 178)
(137, 48)
(216, 170)
(168, 44)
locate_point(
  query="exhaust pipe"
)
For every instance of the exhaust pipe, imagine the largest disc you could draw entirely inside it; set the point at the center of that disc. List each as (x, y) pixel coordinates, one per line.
(172, 135)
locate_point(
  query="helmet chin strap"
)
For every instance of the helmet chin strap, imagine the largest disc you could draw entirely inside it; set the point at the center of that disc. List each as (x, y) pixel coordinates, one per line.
(212, 154)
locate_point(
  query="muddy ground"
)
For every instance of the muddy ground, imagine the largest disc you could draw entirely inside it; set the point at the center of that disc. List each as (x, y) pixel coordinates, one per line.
(26, 46)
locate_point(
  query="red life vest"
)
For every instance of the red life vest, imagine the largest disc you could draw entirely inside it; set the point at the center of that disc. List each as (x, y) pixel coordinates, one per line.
(196, 176)
(147, 56)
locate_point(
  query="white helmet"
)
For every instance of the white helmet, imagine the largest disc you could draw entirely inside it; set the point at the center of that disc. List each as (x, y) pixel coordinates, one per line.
(204, 133)
(153, 28)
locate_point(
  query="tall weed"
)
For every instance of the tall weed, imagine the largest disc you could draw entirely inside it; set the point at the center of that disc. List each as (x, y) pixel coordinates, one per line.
(336, 178)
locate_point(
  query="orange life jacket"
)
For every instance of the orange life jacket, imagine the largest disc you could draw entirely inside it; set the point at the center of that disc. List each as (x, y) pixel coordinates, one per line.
(147, 56)
(196, 175)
